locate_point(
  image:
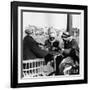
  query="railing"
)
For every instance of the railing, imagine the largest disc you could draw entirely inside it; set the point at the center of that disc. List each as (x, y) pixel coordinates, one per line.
(33, 68)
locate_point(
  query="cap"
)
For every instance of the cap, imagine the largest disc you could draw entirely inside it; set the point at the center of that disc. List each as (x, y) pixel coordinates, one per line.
(28, 31)
(65, 35)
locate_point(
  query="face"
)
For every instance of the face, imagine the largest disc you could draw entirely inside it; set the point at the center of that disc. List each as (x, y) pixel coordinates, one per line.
(68, 39)
(31, 33)
(65, 39)
(52, 35)
(52, 38)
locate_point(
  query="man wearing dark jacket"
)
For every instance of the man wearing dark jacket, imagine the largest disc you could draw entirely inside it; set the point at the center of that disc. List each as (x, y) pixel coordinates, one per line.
(31, 49)
(70, 47)
(70, 62)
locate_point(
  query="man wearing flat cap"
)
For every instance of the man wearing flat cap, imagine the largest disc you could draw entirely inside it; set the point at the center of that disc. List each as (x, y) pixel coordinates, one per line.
(70, 52)
(31, 49)
(70, 45)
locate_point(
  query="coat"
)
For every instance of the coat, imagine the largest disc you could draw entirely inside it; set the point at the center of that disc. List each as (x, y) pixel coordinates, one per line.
(31, 50)
(71, 49)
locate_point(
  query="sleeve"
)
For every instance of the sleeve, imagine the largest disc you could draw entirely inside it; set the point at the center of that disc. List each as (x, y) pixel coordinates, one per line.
(75, 44)
(75, 48)
(46, 43)
(37, 50)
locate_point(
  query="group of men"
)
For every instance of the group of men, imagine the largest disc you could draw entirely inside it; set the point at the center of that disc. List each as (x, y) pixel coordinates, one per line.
(32, 50)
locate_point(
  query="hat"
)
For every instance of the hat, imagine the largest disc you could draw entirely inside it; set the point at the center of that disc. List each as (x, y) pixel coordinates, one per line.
(65, 35)
(28, 31)
(53, 34)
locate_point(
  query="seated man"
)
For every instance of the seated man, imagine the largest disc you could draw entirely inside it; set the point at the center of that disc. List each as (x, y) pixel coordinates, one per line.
(70, 50)
(71, 47)
(31, 49)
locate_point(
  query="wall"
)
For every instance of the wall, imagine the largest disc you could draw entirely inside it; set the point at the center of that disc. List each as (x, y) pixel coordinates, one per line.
(5, 45)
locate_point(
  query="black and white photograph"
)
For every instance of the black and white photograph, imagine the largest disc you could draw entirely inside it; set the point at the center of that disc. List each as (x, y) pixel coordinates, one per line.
(50, 44)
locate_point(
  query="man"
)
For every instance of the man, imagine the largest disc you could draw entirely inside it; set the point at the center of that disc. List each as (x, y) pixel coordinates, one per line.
(70, 52)
(31, 49)
(52, 43)
(53, 47)
(70, 46)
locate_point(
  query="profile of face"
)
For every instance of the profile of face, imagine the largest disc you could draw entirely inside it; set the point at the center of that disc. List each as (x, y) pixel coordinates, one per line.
(32, 32)
(65, 39)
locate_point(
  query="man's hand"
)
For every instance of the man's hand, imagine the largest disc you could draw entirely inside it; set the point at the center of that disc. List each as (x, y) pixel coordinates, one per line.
(67, 51)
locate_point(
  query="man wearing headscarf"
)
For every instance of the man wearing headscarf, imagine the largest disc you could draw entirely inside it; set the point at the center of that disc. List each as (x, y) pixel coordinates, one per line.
(53, 47)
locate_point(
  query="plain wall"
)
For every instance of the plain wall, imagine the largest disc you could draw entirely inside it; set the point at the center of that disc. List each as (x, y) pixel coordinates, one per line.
(5, 46)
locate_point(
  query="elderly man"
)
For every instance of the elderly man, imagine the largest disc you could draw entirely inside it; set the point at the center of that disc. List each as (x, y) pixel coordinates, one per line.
(31, 49)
